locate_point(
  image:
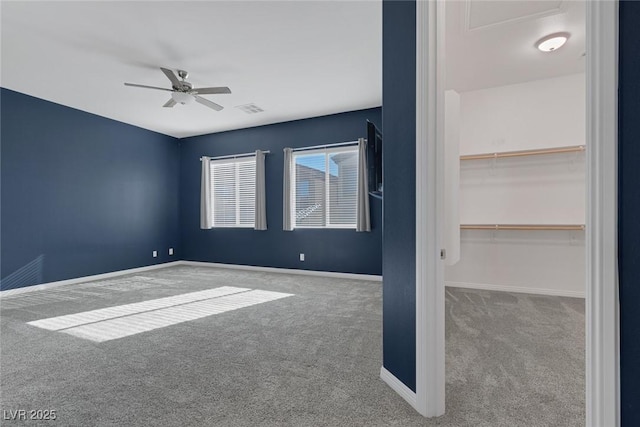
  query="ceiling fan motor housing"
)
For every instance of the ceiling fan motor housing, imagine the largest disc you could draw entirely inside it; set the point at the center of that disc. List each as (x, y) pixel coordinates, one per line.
(184, 87)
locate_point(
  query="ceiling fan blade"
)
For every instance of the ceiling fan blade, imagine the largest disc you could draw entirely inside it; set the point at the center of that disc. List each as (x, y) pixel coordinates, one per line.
(171, 75)
(208, 103)
(170, 103)
(147, 87)
(211, 90)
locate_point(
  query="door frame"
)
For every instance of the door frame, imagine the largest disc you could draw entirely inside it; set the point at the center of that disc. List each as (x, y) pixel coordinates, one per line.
(602, 308)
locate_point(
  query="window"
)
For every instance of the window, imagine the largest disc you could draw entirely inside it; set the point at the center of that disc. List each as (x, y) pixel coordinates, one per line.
(325, 188)
(233, 189)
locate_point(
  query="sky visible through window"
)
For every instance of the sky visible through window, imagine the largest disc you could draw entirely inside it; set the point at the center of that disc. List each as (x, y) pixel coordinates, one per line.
(316, 161)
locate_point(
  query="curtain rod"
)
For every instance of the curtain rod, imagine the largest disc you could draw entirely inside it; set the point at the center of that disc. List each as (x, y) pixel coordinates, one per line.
(235, 156)
(339, 144)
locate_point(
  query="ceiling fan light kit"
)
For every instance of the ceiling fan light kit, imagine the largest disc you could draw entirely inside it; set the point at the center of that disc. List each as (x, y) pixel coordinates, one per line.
(183, 92)
(182, 98)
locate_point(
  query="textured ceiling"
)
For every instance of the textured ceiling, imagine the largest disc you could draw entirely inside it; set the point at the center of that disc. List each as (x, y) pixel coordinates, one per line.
(492, 43)
(292, 59)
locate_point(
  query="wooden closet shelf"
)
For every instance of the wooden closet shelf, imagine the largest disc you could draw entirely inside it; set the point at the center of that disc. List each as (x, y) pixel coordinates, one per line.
(571, 149)
(577, 227)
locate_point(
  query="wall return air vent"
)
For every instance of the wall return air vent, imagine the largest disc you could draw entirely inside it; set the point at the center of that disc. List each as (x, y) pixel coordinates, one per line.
(250, 108)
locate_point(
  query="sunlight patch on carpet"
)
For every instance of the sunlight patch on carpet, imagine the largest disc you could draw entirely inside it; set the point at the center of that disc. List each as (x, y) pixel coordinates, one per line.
(131, 319)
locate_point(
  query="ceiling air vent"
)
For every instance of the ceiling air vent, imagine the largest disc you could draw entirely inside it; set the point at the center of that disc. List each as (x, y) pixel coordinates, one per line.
(250, 108)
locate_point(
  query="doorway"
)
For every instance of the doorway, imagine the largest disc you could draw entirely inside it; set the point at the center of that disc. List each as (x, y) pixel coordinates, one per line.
(600, 214)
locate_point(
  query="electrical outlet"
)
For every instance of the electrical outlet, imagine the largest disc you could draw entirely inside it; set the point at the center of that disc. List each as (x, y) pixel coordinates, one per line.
(301, 257)
(155, 254)
(170, 251)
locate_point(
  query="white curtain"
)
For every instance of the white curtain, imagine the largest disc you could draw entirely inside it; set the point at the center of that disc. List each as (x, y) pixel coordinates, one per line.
(206, 217)
(363, 219)
(261, 199)
(287, 223)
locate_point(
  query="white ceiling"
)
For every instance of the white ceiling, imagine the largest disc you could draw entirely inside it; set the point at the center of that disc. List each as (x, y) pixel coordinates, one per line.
(492, 43)
(293, 59)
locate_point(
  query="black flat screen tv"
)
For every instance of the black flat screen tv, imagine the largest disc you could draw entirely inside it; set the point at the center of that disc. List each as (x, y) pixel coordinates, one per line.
(374, 159)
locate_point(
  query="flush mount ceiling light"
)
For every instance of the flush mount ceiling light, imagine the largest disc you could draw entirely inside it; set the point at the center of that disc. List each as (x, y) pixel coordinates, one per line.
(552, 42)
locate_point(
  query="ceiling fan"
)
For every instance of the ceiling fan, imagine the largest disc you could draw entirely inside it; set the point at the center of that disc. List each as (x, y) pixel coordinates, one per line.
(183, 92)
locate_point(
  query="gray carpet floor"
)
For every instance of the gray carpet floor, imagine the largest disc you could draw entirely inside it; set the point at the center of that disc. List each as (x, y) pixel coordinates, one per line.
(312, 359)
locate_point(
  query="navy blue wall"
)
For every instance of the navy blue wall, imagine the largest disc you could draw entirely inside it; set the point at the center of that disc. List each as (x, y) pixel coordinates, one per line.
(325, 249)
(629, 211)
(399, 124)
(82, 194)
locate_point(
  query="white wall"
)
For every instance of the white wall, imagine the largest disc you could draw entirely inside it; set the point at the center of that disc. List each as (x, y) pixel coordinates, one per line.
(538, 114)
(526, 190)
(549, 189)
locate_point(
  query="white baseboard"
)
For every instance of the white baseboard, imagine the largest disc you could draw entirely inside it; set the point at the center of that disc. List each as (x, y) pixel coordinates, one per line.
(83, 279)
(398, 386)
(331, 274)
(95, 277)
(518, 289)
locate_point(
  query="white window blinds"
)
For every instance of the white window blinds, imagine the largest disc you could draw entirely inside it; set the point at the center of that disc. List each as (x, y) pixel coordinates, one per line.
(233, 188)
(324, 187)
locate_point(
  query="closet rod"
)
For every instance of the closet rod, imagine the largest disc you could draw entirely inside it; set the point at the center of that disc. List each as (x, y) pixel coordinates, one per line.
(571, 149)
(577, 227)
(235, 156)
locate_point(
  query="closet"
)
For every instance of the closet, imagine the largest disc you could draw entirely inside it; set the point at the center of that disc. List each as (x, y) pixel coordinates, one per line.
(515, 181)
